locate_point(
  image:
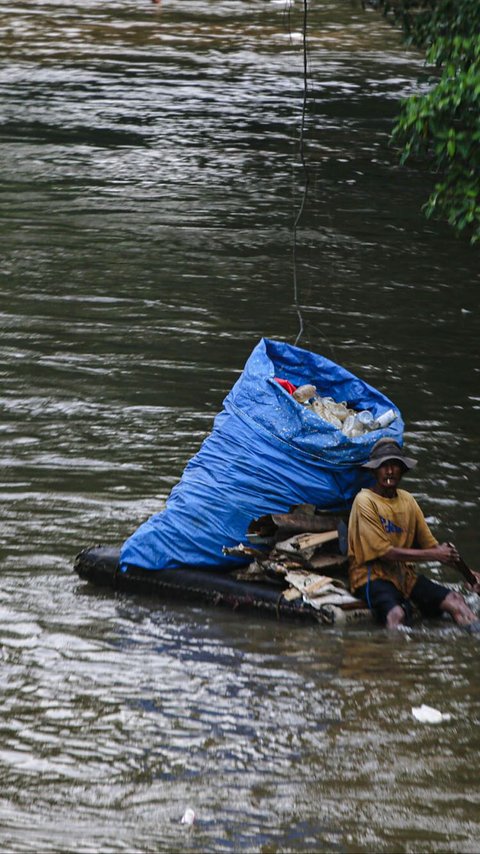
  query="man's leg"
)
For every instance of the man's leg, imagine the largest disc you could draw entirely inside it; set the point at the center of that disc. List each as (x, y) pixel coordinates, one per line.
(386, 602)
(432, 598)
(396, 617)
(455, 605)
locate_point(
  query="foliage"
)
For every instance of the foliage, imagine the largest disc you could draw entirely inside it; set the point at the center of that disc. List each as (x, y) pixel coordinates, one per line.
(444, 123)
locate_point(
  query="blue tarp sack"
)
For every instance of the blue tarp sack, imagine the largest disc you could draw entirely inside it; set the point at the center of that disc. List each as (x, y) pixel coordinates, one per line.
(265, 454)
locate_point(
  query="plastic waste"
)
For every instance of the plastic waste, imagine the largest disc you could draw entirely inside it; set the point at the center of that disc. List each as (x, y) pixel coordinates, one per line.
(385, 419)
(352, 428)
(321, 408)
(364, 422)
(265, 452)
(339, 410)
(327, 408)
(188, 816)
(350, 422)
(365, 418)
(304, 393)
(428, 715)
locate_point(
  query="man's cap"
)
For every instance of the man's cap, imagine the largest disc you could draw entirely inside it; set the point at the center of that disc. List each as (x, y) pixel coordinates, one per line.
(387, 449)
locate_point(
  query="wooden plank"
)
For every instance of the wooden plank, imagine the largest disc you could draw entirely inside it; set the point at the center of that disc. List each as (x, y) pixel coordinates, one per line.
(307, 541)
(322, 561)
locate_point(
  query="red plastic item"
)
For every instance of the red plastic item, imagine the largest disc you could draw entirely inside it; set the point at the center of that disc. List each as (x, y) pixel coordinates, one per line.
(286, 384)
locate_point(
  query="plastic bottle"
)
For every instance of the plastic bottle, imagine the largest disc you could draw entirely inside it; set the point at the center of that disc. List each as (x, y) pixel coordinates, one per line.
(366, 419)
(304, 393)
(385, 419)
(352, 428)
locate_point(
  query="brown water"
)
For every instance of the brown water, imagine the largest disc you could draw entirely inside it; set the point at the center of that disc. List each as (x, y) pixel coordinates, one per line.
(150, 179)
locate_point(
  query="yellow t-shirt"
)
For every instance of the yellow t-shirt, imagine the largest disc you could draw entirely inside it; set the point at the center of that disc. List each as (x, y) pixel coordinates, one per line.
(378, 524)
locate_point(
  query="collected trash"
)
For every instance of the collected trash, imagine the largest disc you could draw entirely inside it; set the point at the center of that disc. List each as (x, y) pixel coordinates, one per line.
(428, 715)
(319, 590)
(349, 421)
(265, 453)
(308, 564)
(188, 817)
(278, 526)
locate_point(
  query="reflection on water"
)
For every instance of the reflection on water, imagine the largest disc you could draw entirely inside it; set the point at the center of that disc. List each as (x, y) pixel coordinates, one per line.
(119, 715)
(150, 178)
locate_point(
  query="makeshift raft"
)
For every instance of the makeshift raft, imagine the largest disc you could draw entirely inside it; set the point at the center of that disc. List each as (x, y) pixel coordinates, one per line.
(283, 577)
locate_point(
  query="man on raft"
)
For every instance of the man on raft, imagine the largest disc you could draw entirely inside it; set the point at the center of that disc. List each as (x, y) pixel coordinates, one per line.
(387, 532)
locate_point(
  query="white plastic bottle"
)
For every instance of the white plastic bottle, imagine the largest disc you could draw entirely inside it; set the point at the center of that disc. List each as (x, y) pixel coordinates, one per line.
(385, 419)
(366, 419)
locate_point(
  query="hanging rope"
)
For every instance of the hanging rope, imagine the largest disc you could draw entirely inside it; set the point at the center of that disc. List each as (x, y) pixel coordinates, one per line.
(299, 214)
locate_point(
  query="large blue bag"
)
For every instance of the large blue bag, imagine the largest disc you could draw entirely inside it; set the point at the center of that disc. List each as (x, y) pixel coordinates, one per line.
(266, 453)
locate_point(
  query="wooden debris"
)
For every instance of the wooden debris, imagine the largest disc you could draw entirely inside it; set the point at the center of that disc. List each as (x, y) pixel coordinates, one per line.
(275, 567)
(306, 541)
(282, 525)
(244, 551)
(305, 564)
(290, 547)
(291, 594)
(252, 572)
(327, 561)
(319, 590)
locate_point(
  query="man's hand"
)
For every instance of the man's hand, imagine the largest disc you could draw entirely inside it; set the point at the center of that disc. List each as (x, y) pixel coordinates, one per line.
(447, 553)
(472, 578)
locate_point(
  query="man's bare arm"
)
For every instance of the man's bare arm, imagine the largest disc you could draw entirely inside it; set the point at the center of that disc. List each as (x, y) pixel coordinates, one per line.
(444, 553)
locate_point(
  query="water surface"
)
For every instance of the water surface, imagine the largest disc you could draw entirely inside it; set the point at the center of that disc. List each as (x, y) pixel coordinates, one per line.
(150, 178)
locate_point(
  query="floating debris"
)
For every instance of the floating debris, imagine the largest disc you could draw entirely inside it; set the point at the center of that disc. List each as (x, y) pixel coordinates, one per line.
(188, 817)
(428, 715)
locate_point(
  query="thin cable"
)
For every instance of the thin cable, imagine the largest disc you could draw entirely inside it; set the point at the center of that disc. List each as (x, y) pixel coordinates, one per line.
(298, 217)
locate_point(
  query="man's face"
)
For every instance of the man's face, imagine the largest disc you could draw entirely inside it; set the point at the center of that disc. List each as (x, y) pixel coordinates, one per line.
(389, 474)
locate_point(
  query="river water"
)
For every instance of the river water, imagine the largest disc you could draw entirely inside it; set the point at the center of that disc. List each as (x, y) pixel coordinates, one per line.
(150, 178)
